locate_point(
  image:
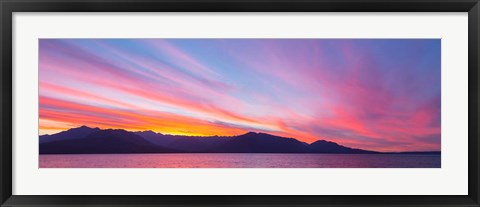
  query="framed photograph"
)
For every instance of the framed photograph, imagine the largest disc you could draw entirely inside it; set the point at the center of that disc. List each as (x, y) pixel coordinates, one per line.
(239, 103)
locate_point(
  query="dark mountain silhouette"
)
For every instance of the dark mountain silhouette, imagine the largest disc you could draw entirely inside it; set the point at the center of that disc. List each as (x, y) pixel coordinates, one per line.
(85, 140)
(103, 141)
(183, 143)
(196, 144)
(323, 146)
(261, 143)
(155, 138)
(73, 133)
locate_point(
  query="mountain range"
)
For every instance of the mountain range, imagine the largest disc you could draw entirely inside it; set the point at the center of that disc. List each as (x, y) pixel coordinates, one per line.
(86, 140)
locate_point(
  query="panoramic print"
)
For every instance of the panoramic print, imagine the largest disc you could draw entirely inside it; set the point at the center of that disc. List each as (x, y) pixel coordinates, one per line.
(239, 103)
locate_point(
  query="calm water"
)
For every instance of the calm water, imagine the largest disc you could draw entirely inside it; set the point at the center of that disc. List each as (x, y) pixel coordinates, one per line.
(239, 161)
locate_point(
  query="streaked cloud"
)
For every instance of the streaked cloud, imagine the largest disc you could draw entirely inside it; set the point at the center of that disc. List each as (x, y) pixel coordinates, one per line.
(372, 94)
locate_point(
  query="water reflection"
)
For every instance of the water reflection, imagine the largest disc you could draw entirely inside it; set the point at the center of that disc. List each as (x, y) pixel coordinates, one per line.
(242, 160)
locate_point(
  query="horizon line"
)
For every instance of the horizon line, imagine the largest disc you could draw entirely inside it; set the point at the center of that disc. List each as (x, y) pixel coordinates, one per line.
(439, 151)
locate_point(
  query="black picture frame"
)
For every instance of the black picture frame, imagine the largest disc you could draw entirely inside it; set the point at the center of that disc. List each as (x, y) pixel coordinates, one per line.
(7, 7)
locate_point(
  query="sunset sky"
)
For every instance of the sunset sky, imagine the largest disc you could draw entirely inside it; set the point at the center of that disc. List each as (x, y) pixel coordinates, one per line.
(379, 94)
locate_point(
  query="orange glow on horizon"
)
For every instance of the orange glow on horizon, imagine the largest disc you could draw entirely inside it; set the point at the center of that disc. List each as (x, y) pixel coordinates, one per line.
(341, 90)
